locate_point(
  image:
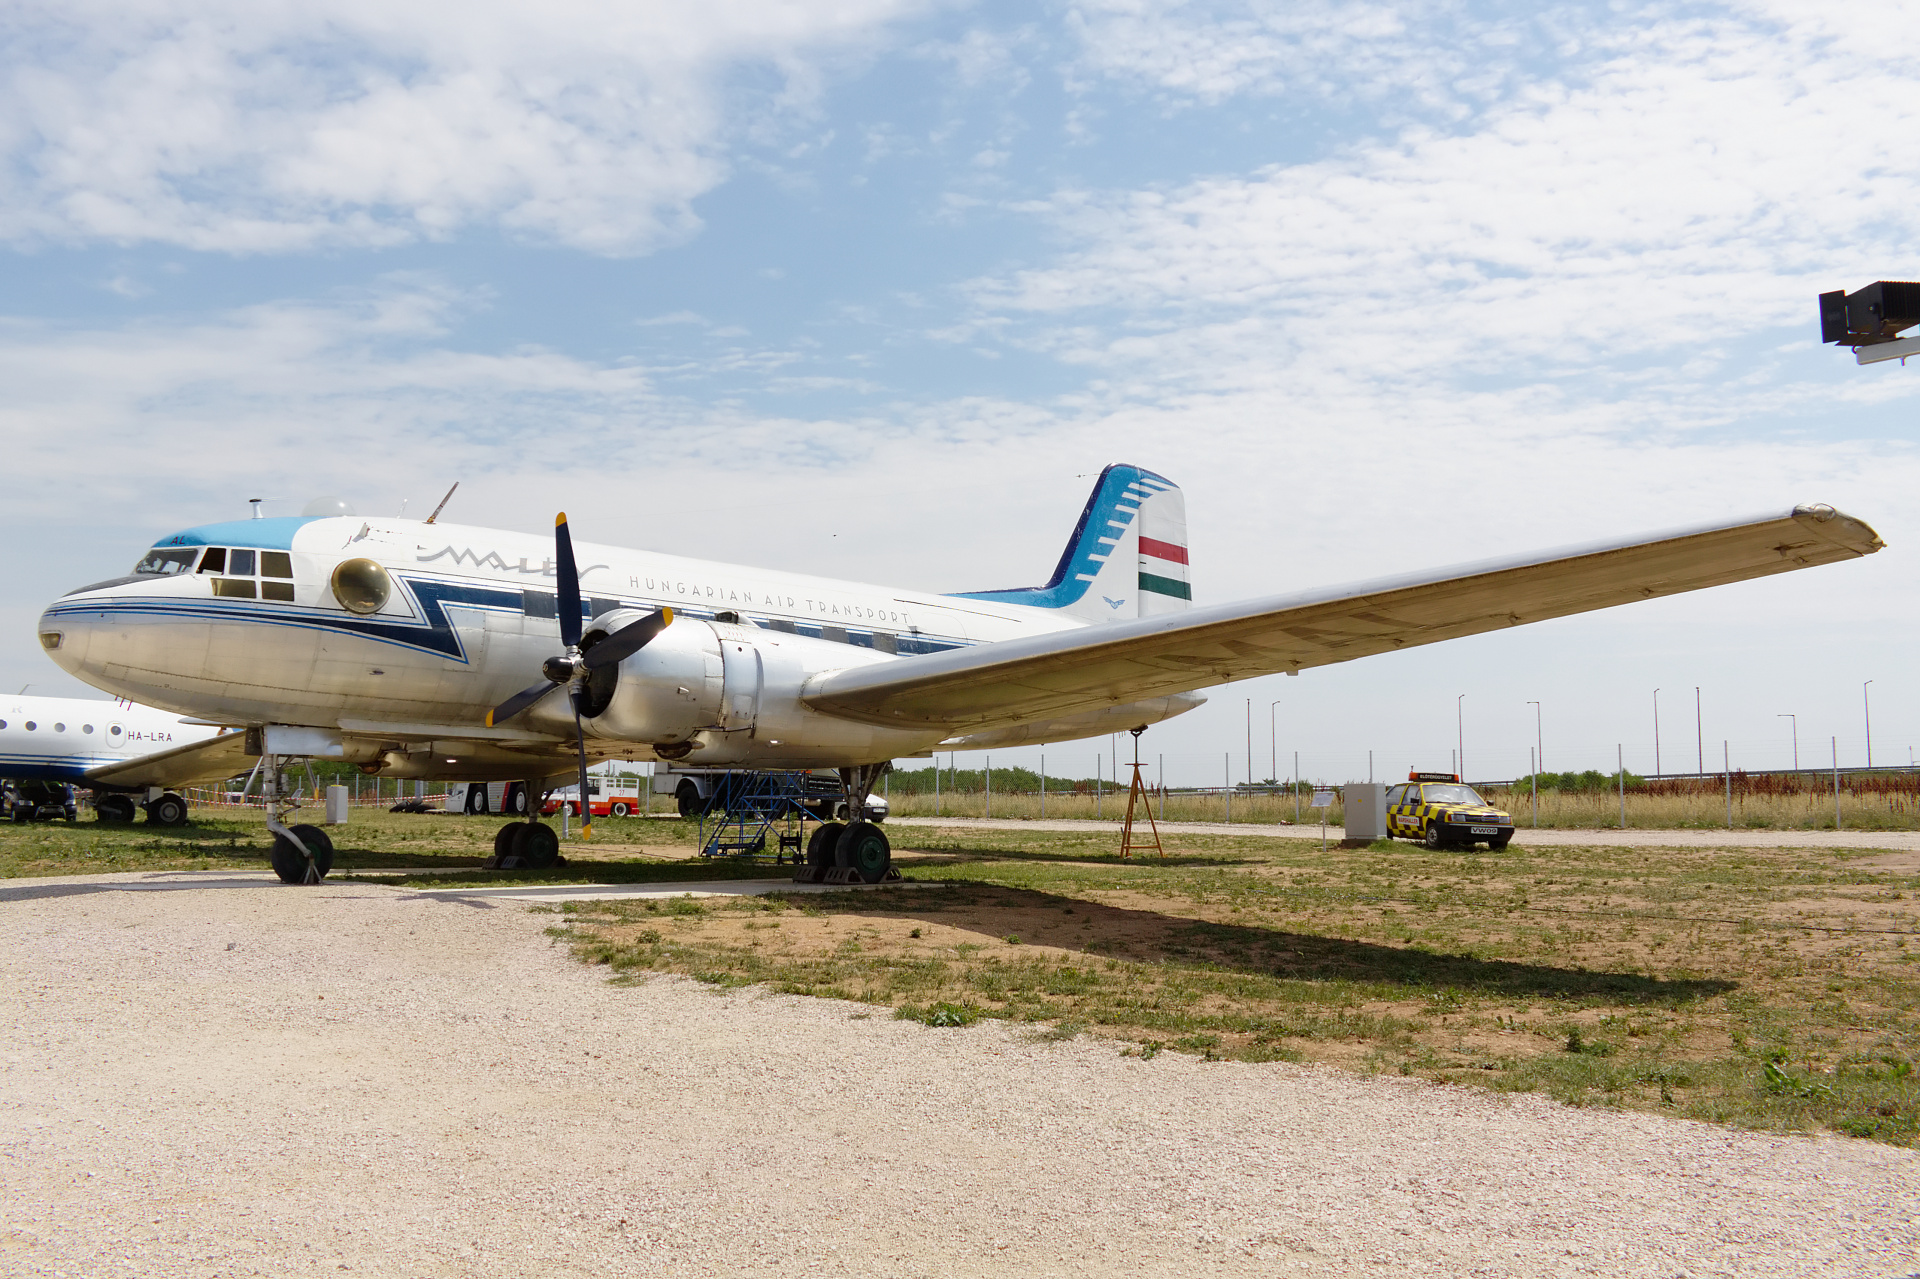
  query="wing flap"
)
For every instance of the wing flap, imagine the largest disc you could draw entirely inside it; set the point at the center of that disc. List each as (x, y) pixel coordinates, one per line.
(1065, 671)
(205, 761)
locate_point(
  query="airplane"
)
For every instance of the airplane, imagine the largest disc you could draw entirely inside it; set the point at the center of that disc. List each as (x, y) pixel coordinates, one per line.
(132, 757)
(398, 645)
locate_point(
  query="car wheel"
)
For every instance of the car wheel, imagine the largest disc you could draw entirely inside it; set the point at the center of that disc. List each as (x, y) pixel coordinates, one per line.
(1498, 844)
(688, 797)
(1432, 838)
(620, 809)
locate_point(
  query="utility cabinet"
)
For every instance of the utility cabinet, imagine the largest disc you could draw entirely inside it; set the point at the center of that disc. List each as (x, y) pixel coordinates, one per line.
(1366, 804)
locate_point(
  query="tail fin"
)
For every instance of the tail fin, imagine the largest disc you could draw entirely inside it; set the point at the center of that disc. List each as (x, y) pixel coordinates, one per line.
(1127, 556)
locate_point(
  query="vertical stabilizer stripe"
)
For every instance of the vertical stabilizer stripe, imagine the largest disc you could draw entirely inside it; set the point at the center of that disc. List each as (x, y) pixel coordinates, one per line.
(1165, 586)
(1162, 550)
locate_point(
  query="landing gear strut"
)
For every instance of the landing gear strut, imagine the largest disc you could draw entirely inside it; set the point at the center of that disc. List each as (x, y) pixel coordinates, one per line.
(856, 852)
(301, 854)
(527, 845)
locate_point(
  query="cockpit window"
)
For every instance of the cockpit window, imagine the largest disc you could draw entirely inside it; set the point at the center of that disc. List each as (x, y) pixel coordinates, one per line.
(240, 562)
(215, 560)
(276, 564)
(167, 560)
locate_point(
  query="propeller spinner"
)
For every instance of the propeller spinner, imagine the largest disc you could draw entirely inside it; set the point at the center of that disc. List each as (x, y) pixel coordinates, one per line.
(570, 669)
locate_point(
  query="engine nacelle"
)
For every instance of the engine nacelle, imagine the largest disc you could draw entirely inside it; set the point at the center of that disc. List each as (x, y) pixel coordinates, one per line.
(665, 693)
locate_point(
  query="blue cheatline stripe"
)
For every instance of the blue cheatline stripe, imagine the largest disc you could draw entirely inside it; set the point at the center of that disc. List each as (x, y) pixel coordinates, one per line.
(436, 634)
(1165, 586)
(1113, 505)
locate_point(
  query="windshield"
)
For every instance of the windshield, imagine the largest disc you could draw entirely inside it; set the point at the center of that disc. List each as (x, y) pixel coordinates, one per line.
(1449, 793)
(167, 560)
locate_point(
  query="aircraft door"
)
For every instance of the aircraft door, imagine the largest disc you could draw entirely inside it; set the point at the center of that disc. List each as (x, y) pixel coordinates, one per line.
(743, 677)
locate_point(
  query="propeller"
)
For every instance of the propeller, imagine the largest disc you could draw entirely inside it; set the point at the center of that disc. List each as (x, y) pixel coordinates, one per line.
(570, 669)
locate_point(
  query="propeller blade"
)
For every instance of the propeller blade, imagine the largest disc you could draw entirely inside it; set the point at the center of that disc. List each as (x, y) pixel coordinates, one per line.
(586, 800)
(567, 585)
(628, 640)
(519, 702)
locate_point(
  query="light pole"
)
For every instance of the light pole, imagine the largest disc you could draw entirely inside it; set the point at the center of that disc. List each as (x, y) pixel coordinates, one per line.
(1866, 706)
(1273, 744)
(1796, 738)
(1699, 741)
(1656, 732)
(1539, 745)
(1460, 724)
(1249, 743)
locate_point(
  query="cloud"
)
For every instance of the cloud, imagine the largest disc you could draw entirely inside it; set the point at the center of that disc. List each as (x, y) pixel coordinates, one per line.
(266, 127)
(1686, 192)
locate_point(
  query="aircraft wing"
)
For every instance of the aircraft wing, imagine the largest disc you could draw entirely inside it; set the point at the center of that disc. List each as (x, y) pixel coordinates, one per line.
(1053, 674)
(206, 761)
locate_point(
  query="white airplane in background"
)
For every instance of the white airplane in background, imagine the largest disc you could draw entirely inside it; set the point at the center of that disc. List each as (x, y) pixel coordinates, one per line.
(399, 645)
(117, 749)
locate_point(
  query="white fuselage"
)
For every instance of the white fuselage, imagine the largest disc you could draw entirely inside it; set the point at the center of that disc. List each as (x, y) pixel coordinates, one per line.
(468, 622)
(60, 738)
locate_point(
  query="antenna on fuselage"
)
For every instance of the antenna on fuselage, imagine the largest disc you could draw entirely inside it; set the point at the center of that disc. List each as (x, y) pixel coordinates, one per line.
(443, 503)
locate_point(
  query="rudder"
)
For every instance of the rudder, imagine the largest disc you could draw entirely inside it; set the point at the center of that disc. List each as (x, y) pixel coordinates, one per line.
(1127, 556)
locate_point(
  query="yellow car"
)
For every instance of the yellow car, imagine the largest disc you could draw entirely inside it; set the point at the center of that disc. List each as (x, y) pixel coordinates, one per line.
(1440, 810)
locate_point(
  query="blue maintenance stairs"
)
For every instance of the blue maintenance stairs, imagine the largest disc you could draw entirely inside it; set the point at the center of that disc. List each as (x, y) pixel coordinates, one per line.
(746, 805)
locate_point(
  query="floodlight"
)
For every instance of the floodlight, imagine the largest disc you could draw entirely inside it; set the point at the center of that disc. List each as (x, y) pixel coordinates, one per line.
(1871, 320)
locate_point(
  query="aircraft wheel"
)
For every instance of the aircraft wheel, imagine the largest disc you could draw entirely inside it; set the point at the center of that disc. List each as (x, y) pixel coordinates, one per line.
(114, 808)
(291, 865)
(168, 810)
(507, 838)
(864, 847)
(822, 843)
(1432, 838)
(539, 846)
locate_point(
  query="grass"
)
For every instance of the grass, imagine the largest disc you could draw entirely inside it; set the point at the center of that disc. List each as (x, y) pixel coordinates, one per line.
(1770, 988)
(1600, 810)
(1767, 988)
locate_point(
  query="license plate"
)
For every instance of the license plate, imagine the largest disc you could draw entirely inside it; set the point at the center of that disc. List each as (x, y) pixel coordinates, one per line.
(1484, 830)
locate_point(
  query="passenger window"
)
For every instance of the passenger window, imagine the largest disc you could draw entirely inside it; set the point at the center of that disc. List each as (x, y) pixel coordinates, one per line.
(838, 634)
(31, 726)
(886, 643)
(59, 728)
(215, 560)
(282, 591)
(239, 588)
(241, 563)
(539, 604)
(276, 564)
(86, 728)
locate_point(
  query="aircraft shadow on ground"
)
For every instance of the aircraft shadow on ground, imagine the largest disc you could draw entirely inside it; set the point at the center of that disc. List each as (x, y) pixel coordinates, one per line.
(1151, 937)
(1084, 857)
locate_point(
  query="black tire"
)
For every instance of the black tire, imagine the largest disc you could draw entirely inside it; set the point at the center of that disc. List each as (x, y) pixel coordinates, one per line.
(1432, 837)
(688, 797)
(117, 809)
(476, 801)
(1501, 842)
(506, 840)
(619, 808)
(864, 847)
(821, 845)
(539, 846)
(291, 865)
(168, 810)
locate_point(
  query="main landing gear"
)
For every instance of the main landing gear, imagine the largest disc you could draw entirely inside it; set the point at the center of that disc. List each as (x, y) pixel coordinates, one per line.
(850, 852)
(527, 845)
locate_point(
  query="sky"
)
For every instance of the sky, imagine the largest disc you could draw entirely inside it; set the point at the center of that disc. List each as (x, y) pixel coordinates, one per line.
(874, 289)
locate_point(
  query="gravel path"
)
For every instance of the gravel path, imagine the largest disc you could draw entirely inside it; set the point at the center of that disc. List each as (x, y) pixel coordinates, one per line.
(1901, 840)
(221, 1077)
